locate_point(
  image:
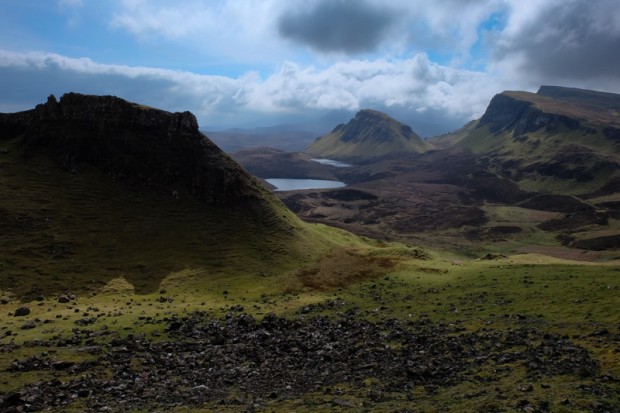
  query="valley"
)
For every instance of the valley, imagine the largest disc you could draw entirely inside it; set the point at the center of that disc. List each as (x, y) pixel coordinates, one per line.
(536, 172)
(142, 269)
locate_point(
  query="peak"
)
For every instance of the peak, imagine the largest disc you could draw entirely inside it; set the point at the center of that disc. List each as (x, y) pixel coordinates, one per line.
(369, 134)
(371, 112)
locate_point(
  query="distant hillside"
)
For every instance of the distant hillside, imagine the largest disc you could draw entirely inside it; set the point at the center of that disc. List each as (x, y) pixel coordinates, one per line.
(536, 169)
(370, 134)
(96, 188)
(283, 138)
(273, 163)
(561, 139)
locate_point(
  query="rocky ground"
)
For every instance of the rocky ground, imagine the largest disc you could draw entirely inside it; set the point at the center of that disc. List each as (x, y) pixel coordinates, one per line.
(246, 364)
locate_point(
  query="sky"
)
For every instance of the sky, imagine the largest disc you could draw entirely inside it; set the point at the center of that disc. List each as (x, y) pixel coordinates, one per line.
(434, 64)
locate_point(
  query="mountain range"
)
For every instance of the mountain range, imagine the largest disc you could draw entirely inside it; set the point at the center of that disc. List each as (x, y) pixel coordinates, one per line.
(553, 156)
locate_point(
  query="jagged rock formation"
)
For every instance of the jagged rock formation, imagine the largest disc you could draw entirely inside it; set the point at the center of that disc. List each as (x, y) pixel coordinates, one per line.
(370, 134)
(133, 144)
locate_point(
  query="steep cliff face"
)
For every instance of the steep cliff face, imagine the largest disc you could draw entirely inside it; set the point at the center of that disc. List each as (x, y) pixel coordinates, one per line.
(134, 144)
(369, 135)
(523, 113)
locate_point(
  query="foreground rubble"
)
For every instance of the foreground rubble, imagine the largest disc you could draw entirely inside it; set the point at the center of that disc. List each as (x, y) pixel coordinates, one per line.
(248, 363)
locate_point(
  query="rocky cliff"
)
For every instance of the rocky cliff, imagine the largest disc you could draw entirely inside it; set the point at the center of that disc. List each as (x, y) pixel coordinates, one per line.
(133, 144)
(522, 113)
(553, 108)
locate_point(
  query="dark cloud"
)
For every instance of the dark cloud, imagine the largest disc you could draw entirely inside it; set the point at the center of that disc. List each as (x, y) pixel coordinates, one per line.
(578, 39)
(338, 26)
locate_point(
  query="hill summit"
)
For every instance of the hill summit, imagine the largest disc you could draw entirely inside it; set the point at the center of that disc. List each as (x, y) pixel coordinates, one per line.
(131, 143)
(370, 134)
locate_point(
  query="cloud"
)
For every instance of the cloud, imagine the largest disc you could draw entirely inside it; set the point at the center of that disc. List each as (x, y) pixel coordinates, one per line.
(568, 40)
(211, 31)
(415, 85)
(338, 26)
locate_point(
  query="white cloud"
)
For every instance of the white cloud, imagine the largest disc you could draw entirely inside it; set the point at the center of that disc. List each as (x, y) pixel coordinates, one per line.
(414, 84)
(234, 31)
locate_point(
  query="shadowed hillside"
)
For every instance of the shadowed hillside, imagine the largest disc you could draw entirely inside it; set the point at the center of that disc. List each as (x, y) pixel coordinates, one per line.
(96, 188)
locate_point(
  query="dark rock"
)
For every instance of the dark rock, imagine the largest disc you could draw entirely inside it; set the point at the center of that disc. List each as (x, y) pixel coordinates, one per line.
(63, 299)
(21, 311)
(62, 365)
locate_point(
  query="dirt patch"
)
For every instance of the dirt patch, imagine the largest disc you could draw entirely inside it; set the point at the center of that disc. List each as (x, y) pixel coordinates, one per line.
(343, 267)
(496, 233)
(562, 253)
(573, 222)
(555, 203)
(610, 242)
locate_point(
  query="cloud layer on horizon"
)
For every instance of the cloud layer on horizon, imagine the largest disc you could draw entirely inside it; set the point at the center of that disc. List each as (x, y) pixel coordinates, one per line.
(298, 60)
(416, 84)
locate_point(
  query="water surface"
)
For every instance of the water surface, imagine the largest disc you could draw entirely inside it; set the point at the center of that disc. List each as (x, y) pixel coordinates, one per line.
(283, 184)
(331, 162)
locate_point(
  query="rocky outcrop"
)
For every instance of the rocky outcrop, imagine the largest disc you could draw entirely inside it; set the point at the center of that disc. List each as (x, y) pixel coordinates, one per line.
(510, 111)
(133, 144)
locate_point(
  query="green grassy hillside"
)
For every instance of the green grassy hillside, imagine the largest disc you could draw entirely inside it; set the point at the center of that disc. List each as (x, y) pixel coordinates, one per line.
(71, 231)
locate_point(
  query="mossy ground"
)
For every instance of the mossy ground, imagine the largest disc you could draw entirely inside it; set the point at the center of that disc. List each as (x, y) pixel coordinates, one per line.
(571, 299)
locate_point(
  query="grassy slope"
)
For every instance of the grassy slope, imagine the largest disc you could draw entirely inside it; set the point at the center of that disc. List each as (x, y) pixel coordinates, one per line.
(366, 144)
(330, 146)
(568, 298)
(61, 230)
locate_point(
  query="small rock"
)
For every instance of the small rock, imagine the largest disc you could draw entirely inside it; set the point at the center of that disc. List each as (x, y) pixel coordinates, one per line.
(28, 325)
(63, 299)
(342, 403)
(83, 393)
(62, 365)
(22, 311)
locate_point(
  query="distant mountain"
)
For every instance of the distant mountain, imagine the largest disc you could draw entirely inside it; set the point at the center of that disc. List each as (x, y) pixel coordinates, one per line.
(370, 134)
(96, 188)
(284, 137)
